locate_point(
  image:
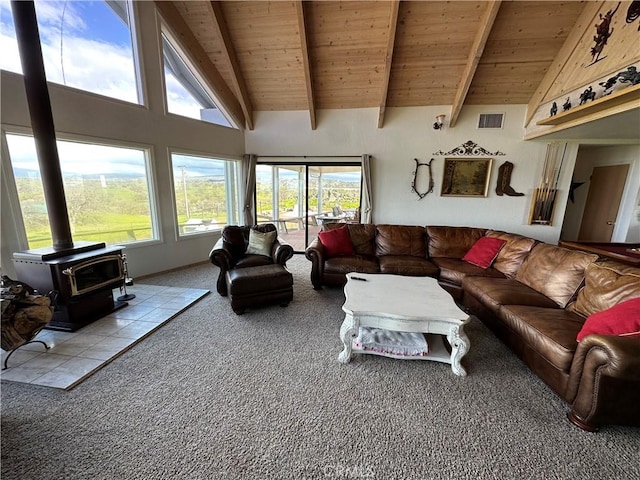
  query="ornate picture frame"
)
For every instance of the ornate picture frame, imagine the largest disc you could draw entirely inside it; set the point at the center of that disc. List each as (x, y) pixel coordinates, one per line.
(466, 177)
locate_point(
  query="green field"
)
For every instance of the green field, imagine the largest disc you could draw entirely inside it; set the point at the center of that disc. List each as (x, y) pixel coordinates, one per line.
(113, 212)
(117, 210)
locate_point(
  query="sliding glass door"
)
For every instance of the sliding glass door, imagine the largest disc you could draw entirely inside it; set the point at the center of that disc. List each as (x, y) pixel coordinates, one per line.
(300, 197)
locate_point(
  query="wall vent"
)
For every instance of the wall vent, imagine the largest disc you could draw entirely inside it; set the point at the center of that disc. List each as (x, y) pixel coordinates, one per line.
(490, 120)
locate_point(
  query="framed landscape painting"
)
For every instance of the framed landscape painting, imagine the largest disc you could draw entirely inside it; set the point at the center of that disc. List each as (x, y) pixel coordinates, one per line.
(465, 177)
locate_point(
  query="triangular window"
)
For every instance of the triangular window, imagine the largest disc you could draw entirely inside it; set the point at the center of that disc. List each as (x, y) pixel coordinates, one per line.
(186, 95)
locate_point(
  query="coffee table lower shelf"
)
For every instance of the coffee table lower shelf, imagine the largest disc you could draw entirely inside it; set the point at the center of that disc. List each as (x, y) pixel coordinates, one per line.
(455, 337)
(439, 350)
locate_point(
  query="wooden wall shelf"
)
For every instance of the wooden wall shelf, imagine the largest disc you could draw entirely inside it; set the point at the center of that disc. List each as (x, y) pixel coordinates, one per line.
(628, 94)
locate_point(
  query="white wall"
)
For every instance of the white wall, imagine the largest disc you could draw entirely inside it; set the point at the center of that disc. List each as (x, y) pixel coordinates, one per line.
(627, 227)
(408, 134)
(85, 115)
(633, 235)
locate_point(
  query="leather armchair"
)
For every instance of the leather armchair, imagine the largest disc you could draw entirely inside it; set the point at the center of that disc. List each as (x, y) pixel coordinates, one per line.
(229, 252)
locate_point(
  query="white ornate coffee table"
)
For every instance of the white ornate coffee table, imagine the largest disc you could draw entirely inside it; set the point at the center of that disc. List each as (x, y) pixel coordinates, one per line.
(404, 304)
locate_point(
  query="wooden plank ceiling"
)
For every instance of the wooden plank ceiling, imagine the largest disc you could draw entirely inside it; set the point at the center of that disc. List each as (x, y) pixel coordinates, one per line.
(331, 55)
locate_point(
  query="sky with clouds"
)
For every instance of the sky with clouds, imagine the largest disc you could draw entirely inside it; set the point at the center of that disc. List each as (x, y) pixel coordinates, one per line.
(79, 158)
(75, 51)
(86, 46)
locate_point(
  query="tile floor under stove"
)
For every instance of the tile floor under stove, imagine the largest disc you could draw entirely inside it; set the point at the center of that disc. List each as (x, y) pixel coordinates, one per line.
(73, 356)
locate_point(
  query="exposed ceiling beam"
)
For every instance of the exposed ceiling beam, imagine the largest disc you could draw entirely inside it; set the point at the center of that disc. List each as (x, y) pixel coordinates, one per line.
(192, 47)
(587, 18)
(215, 10)
(477, 48)
(305, 62)
(388, 59)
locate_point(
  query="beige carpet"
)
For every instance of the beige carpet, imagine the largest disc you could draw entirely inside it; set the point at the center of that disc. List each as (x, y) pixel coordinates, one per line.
(213, 395)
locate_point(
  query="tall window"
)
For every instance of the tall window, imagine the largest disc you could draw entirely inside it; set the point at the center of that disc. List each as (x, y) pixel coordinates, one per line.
(206, 193)
(186, 95)
(106, 188)
(86, 45)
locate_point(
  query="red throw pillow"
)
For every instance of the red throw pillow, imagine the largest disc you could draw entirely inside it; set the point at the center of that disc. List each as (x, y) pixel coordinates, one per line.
(336, 242)
(622, 319)
(484, 251)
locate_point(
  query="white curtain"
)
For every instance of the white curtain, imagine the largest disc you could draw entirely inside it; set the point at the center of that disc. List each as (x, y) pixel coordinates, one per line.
(366, 204)
(249, 182)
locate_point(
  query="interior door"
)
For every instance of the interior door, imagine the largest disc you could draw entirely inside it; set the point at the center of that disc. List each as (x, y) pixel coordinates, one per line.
(603, 202)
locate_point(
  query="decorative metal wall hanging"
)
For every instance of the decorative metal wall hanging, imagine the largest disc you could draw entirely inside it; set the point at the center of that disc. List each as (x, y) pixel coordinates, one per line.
(588, 94)
(503, 187)
(469, 148)
(414, 184)
(633, 12)
(630, 75)
(603, 32)
(608, 85)
(572, 189)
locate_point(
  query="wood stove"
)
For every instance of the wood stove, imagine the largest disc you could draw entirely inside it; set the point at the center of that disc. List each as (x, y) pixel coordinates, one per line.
(83, 276)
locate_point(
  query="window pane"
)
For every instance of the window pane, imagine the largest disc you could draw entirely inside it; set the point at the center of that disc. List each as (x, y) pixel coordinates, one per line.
(10, 58)
(337, 187)
(206, 193)
(85, 45)
(107, 197)
(185, 94)
(267, 208)
(332, 193)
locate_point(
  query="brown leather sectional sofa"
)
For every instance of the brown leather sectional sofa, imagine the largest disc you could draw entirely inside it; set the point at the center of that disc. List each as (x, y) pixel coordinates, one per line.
(535, 297)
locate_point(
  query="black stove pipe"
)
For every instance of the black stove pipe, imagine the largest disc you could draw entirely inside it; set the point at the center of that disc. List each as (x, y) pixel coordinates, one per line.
(24, 17)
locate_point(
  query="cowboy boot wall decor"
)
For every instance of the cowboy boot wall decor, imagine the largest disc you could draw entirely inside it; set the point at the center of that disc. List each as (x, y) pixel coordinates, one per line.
(504, 181)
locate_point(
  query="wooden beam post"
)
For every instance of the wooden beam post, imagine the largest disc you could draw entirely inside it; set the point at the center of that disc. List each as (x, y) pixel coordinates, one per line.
(388, 59)
(215, 11)
(192, 47)
(304, 47)
(477, 48)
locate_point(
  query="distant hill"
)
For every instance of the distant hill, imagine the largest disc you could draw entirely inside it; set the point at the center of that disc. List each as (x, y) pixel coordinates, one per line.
(32, 173)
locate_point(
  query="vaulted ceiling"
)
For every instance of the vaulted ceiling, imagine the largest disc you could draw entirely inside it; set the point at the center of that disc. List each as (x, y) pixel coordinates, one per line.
(310, 55)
